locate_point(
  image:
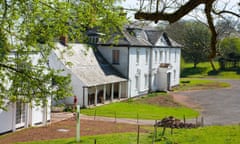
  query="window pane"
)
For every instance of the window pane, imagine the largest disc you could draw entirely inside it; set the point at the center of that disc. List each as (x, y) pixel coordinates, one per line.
(115, 56)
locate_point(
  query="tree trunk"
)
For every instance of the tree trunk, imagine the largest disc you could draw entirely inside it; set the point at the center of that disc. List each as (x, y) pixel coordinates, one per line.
(212, 64)
(194, 65)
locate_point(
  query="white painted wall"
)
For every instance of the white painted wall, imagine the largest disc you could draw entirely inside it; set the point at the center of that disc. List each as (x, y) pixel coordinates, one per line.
(138, 69)
(122, 67)
(76, 83)
(6, 119)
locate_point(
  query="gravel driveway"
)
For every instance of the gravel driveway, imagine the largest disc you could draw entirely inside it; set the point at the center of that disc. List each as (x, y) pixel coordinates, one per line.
(218, 106)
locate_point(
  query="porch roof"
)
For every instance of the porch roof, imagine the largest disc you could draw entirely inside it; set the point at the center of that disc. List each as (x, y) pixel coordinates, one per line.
(87, 64)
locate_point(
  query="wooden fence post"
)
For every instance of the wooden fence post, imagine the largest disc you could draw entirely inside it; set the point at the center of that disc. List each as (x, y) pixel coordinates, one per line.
(95, 141)
(137, 118)
(184, 119)
(95, 112)
(202, 121)
(138, 131)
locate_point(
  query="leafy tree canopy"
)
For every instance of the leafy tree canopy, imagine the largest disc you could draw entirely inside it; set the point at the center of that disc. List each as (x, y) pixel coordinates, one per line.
(29, 28)
(228, 46)
(195, 38)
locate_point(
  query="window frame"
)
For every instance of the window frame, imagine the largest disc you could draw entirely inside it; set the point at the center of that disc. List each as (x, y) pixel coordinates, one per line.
(116, 57)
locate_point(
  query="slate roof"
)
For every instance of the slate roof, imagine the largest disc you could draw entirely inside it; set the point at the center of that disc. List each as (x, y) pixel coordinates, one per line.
(147, 37)
(153, 36)
(88, 65)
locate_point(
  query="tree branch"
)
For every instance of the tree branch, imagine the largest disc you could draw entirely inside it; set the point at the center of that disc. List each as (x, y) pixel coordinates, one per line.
(226, 12)
(171, 17)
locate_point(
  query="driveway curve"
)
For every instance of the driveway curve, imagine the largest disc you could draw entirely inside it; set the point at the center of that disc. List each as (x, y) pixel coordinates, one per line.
(217, 106)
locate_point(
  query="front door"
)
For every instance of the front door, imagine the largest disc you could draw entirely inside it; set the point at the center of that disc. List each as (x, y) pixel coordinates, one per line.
(168, 81)
(20, 114)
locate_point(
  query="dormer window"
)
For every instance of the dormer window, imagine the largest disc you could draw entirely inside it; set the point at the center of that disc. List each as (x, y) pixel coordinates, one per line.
(136, 32)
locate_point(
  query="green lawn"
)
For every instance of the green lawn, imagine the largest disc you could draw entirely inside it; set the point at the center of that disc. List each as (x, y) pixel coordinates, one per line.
(198, 84)
(142, 111)
(204, 70)
(204, 135)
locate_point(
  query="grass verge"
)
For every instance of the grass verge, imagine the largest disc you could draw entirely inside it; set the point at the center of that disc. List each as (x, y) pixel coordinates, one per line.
(203, 135)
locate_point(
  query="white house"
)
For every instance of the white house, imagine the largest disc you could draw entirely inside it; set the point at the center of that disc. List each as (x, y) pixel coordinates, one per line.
(141, 61)
(22, 115)
(148, 58)
(93, 79)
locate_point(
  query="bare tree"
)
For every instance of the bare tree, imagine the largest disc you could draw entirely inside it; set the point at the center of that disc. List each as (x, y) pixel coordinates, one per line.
(174, 10)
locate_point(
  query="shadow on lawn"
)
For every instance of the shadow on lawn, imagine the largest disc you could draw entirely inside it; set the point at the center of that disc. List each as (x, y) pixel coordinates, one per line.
(186, 72)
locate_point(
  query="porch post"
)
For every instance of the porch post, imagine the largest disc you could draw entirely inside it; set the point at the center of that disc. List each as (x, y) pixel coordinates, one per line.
(26, 115)
(85, 96)
(120, 90)
(112, 92)
(14, 116)
(44, 114)
(104, 93)
(96, 94)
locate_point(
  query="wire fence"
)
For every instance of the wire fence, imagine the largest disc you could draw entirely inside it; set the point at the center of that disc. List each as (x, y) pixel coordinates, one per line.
(141, 134)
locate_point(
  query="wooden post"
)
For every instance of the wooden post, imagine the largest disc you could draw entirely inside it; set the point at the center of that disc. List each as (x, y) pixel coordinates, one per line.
(171, 131)
(78, 124)
(184, 119)
(95, 112)
(138, 131)
(202, 121)
(196, 121)
(155, 130)
(163, 132)
(137, 118)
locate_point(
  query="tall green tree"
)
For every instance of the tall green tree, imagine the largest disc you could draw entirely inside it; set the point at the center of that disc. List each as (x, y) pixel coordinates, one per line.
(228, 46)
(196, 43)
(29, 28)
(195, 38)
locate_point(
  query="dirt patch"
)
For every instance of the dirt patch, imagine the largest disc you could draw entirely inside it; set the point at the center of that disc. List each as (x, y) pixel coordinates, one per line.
(161, 100)
(67, 129)
(184, 100)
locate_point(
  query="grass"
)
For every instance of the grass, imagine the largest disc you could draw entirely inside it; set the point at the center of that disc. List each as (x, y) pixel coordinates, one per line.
(139, 110)
(199, 84)
(206, 135)
(203, 135)
(204, 70)
(119, 138)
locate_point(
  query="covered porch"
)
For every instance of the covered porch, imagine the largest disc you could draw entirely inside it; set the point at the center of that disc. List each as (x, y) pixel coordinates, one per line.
(106, 93)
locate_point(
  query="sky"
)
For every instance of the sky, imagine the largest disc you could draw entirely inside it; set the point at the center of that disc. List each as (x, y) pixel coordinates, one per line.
(134, 4)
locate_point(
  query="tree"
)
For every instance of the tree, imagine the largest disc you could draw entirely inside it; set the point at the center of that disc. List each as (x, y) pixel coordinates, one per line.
(31, 27)
(196, 39)
(229, 45)
(172, 11)
(225, 28)
(194, 36)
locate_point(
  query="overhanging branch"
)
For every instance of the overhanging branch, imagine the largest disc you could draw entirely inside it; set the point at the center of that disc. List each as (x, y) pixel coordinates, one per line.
(170, 17)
